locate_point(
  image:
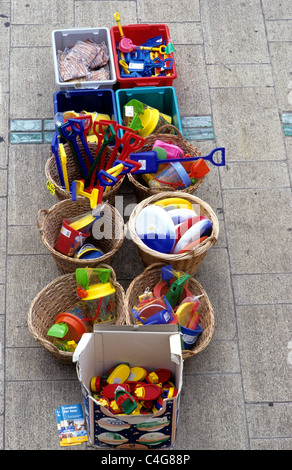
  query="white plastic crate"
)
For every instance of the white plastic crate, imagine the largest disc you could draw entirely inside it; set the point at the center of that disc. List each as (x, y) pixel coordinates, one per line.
(68, 38)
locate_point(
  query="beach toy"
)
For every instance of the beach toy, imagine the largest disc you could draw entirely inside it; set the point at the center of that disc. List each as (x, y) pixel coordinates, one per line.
(151, 120)
(200, 229)
(69, 239)
(172, 150)
(158, 311)
(86, 221)
(198, 169)
(108, 138)
(174, 203)
(137, 374)
(88, 251)
(150, 161)
(179, 216)
(156, 229)
(149, 391)
(187, 312)
(81, 126)
(167, 274)
(83, 275)
(173, 175)
(159, 376)
(175, 291)
(63, 158)
(119, 374)
(189, 337)
(66, 131)
(68, 327)
(110, 389)
(125, 401)
(54, 149)
(192, 245)
(77, 189)
(182, 227)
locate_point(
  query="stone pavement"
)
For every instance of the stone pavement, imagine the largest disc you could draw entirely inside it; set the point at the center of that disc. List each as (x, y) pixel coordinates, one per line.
(234, 66)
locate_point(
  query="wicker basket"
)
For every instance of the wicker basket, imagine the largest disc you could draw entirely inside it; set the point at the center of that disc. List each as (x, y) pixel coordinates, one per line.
(50, 223)
(74, 173)
(188, 262)
(57, 297)
(141, 188)
(149, 278)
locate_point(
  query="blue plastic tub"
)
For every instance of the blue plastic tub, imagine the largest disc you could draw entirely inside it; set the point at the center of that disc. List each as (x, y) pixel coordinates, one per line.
(101, 100)
(162, 98)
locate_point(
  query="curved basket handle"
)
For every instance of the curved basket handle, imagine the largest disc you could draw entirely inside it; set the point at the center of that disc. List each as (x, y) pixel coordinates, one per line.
(39, 220)
(159, 131)
(154, 265)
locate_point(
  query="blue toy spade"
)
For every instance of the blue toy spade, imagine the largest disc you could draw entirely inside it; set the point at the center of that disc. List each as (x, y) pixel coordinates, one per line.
(150, 161)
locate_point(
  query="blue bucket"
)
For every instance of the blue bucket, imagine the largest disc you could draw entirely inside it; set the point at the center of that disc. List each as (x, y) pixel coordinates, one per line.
(189, 337)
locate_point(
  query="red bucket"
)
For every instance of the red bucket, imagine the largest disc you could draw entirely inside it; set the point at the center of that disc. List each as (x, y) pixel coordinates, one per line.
(69, 239)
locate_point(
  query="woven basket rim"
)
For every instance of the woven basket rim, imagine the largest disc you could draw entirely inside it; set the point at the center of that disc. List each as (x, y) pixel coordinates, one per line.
(64, 355)
(58, 207)
(198, 250)
(63, 193)
(155, 267)
(179, 140)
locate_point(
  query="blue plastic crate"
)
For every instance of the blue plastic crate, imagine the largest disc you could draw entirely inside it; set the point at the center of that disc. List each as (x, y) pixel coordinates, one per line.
(102, 101)
(162, 98)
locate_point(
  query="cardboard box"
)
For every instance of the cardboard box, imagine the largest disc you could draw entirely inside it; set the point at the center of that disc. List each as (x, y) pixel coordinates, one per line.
(151, 347)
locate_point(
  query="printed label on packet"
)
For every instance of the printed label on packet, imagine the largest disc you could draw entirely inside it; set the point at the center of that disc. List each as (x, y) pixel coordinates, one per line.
(51, 187)
(65, 232)
(129, 111)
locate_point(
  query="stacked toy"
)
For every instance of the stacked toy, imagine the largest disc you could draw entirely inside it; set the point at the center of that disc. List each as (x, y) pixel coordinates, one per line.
(133, 390)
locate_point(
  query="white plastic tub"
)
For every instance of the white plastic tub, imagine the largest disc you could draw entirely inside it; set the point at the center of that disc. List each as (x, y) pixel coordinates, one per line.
(68, 38)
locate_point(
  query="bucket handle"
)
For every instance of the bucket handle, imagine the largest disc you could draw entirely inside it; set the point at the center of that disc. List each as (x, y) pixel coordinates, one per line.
(39, 219)
(167, 126)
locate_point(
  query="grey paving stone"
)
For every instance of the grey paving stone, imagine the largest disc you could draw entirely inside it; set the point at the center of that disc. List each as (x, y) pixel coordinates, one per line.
(271, 444)
(276, 9)
(191, 82)
(36, 364)
(4, 103)
(257, 289)
(34, 409)
(239, 75)
(213, 274)
(267, 420)
(258, 226)
(219, 356)
(26, 174)
(89, 14)
(25, 240)
(125, 266)
(28, 35)
(41, 270)
(288, 143)
(4, 80)
(185, 33)
(266, 372)
(168, 11)
(247, 124)
(4, 35)
(234, 37)
(258, 175)
(41, 12)
(3, 239)
(279, 30)
(34, 98)
(2, 299)
(216, 420)
(3, 183)
(2, 362)
(282, 63)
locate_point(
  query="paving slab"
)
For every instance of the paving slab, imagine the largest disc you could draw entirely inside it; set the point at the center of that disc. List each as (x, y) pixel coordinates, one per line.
(282, 66)
(258, 209)
(247, 124)
(234, 37)
(266, 371)
(168, 11)
(278, 9)
(92, 14)
(269, 420)
(217, 419)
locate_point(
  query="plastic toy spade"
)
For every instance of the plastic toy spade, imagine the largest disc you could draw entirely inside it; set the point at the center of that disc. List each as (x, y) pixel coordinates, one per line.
(167, 274)
(176, 289)
(67, 132)
(79, 129)
(109, 137)
(150, 161)
(54, 149)
(77, 189)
